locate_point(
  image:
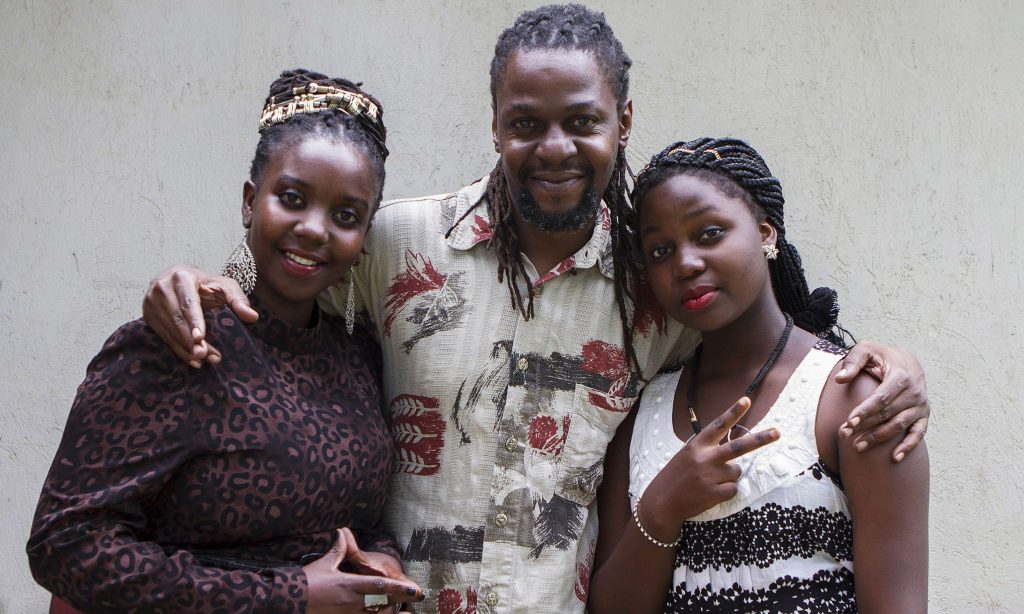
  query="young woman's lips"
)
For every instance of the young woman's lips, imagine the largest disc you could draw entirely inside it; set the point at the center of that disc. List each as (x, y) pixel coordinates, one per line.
(699, 298)
(299, 264)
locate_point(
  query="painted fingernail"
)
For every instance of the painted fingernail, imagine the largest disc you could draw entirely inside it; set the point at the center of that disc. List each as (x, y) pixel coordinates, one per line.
(861, 446)
(854, 422)
(410, 591)
(900, 456)
(842, 372)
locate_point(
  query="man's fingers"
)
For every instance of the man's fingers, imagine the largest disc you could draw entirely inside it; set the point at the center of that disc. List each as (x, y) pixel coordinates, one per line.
(221, 290)
(910, 440)
(738, 446)
(892, 396)
(186, 293)
(715, 431)
(862, 356)
(887, 430)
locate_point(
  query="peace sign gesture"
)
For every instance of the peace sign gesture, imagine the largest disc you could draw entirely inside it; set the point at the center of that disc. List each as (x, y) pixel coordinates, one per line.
(700, 475)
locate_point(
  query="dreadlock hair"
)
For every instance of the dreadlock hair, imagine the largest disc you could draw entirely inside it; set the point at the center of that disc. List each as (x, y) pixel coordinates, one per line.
(335, 126)
(740, 172)
(561, 27)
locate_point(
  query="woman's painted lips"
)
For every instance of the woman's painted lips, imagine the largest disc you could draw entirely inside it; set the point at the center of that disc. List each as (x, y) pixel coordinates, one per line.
(699, 298)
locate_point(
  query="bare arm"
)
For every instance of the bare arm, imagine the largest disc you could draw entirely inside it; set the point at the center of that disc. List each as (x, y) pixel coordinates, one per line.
(697, 478)
(899, 405)
(889, 506)
(174, 306)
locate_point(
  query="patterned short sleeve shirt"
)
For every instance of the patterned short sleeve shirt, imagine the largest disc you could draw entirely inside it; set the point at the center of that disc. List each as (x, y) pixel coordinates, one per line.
(500, 423)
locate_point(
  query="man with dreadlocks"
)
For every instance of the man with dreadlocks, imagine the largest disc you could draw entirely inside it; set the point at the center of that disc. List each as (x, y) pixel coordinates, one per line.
(511, 342)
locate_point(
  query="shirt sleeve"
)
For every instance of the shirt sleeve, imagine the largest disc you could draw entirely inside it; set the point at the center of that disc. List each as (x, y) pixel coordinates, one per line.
(128, 432)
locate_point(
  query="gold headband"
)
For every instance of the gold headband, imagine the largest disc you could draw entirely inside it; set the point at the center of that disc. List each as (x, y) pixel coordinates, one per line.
(314, 97)
(690, 151)
(678, 150)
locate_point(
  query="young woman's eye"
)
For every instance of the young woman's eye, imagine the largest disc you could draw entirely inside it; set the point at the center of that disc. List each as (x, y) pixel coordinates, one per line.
(657, 253)
(346, 217)
(292, 199)
(711, 233)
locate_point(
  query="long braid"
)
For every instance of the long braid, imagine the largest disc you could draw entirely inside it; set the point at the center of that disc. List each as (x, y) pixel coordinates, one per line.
(740, 172)
(572, 27)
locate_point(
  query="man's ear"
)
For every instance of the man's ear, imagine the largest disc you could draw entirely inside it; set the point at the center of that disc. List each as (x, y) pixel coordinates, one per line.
(625, 123)
(248, 199)
(494, 131)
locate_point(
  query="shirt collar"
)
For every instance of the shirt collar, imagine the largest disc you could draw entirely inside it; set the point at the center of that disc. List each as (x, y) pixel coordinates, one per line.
(475, 228)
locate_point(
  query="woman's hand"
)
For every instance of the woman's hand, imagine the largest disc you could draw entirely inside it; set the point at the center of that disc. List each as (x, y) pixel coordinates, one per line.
(332, 591)
(700, 475)
(900, 404)
(174, 307)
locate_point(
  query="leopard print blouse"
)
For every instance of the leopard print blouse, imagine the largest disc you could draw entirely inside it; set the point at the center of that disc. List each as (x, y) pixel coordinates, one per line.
(182, 490)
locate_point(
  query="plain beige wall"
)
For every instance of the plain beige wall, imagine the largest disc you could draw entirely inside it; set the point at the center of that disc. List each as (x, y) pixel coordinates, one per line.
(897, 130)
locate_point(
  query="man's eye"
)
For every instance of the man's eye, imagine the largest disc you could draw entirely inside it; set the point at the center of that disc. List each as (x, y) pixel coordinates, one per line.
(584, 122)
(524, 124)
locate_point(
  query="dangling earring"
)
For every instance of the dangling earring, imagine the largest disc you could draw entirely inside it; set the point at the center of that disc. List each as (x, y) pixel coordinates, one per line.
(241, 266)
(770, 251)
(350, 302)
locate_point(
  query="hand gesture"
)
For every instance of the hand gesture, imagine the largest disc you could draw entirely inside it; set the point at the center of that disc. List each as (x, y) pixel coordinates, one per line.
(700, 476)
(371, 588)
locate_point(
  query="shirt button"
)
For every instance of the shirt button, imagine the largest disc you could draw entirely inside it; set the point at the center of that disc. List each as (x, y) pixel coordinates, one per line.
(522, 364)
(501, 519)
(510, 444)
(492, 599)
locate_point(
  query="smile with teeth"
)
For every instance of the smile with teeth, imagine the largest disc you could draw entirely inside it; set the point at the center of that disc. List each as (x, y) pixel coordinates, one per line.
(300, 260)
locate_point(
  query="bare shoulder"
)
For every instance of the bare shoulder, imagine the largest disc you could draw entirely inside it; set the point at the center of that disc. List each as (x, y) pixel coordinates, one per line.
(834, 406)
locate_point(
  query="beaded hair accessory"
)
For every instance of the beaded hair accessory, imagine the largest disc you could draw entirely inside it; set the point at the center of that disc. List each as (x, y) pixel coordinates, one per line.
(653, 163)
(315, 97)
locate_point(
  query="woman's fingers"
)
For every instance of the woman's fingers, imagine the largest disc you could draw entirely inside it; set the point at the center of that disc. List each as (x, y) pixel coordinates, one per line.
(738, 446)
(397, 591)
(721, 425)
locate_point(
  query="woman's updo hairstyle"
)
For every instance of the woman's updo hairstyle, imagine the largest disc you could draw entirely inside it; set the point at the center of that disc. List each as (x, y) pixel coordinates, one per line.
(303, 104)
(740, 172)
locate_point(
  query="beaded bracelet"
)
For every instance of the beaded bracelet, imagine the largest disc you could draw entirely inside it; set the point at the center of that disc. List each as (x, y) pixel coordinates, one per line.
(636, 518)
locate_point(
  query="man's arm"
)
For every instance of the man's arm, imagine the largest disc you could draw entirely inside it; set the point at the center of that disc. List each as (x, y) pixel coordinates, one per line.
(174, 306)
(898, 405)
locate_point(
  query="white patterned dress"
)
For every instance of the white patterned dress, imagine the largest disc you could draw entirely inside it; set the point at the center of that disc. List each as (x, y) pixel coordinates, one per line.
(784, 543)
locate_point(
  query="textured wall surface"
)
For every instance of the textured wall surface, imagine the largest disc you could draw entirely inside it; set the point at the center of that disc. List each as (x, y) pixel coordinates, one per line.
(897, 129)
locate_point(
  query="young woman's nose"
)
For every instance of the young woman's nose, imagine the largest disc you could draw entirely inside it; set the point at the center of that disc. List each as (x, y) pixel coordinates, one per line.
(689, 261)
(313, 225)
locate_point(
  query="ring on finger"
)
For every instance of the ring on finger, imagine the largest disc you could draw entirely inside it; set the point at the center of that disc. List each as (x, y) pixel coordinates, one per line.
(373, 602)
(884, 412)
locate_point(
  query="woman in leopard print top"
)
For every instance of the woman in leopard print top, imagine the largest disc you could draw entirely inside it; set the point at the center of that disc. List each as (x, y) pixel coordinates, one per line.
(220, 489)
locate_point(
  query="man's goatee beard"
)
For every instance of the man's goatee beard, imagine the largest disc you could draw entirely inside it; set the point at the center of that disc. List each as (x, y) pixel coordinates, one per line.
(577, 218)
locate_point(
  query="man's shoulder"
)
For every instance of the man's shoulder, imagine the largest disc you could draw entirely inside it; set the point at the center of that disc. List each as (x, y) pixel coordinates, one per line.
(418, 208)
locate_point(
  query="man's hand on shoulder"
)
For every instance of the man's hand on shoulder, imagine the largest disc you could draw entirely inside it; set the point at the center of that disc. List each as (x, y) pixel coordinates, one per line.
(174, 306)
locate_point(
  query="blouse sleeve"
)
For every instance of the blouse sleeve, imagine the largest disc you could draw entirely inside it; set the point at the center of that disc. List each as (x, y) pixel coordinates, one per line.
(128, 432)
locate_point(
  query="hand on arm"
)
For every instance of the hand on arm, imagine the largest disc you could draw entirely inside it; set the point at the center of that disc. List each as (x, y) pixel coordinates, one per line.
(900, 404)
(334, 591)
(697, 478)
(889, 510)
(174, 306)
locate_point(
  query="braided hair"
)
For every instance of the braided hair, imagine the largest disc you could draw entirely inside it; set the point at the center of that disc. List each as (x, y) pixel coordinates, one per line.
(335, 126)
(561, 27)
(740, 172)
